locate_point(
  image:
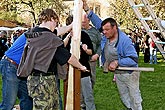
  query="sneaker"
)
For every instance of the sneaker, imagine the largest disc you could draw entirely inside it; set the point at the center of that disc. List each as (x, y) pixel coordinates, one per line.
(114, 79)
(83, 107)
(16, 107)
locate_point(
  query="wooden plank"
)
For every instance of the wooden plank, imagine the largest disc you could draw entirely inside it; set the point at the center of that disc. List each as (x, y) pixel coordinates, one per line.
(77, 75)
(69, 97)
(75, 50)
(136, 68)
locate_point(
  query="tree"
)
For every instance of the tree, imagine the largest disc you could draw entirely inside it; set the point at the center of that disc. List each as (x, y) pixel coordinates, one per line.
(27, 10)
(125, 16)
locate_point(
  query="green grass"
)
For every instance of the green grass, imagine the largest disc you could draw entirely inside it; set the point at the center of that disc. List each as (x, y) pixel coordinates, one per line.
(152, 86)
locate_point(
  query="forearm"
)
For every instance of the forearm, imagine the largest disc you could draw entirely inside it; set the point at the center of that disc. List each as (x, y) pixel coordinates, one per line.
(128, 62)
(64, 29)
(88, 51)
(66, 40)
(74, 62)
(96, 21)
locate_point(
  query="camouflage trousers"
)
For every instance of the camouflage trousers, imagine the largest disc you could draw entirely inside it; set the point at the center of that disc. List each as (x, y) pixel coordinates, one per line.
(43, 90)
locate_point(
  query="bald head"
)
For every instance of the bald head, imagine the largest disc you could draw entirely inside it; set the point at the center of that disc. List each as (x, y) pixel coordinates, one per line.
(85, 22)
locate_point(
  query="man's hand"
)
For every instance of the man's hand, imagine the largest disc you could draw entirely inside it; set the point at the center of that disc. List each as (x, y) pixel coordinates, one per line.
(85, 6)
(84, 47)
(94, 57)
(113, 65)
(84, 69)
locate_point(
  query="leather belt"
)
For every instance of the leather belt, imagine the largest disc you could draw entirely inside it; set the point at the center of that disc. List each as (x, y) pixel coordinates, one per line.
(10, 60)
(42, 73)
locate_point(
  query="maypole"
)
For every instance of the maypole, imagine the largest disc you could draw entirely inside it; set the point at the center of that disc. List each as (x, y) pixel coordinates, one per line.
(75, 50)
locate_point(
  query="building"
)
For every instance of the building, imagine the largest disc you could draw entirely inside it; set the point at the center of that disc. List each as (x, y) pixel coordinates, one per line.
(100, 7)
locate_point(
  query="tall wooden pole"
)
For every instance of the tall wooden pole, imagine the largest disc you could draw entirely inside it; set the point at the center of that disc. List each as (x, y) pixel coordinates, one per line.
(75, 50)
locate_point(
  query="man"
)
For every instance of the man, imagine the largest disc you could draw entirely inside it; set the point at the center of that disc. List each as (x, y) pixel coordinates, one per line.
(3, 43)
(14, 86)
(95, 37)
(86, 50)
(153, 49)
(39, 61)
(119, 51)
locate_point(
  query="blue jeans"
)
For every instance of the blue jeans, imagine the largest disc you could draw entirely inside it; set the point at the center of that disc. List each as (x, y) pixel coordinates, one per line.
(12, 86)
(26, 102)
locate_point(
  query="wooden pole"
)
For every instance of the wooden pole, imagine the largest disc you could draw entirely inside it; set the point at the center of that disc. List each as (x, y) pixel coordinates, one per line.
(75, 50)
(77, 88)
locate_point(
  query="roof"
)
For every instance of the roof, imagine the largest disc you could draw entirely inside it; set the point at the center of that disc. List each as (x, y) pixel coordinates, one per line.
(6, 23)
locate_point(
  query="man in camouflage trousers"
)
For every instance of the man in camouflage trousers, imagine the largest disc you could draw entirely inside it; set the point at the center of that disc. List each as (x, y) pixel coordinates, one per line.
(42, 52)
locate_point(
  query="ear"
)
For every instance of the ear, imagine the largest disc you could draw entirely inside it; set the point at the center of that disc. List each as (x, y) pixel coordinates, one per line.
(114, 27)
(52, 19)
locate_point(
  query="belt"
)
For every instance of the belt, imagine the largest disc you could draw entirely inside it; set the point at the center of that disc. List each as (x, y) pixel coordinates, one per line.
(42, 73)
(10, 60)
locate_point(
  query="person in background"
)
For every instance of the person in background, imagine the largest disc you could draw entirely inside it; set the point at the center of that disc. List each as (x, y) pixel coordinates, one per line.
(86, 50)
(9, 43)
(42, 52)
(136, 41)
(146, 49)
(95, 37)
(3, 43)
(119, 51)
(153, 50)
(16, 34)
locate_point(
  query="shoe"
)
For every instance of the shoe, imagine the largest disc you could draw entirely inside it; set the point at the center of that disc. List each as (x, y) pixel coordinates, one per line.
(114, 79)
(83, 107)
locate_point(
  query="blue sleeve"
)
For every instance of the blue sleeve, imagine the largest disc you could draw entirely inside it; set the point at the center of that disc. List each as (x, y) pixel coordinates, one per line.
(128, 57)
(96, 21)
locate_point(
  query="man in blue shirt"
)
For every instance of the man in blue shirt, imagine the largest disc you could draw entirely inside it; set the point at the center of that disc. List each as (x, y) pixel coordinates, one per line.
(14, 86)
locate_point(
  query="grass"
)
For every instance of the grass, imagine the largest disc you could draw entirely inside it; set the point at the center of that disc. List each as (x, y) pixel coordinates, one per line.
(152, 86)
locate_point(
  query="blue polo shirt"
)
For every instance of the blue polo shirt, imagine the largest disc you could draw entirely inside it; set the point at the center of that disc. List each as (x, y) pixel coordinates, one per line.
(16, 50)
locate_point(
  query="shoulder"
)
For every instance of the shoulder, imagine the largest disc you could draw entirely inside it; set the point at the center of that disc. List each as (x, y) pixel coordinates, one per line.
(124, 36)
(124, 39)
(94, 29)
(83, 33)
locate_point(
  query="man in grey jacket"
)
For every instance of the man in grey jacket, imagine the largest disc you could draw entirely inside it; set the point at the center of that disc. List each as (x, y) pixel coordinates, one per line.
(95, 37)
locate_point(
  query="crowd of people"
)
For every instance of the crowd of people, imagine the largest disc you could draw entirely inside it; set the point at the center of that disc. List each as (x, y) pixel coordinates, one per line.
(143, 43)
(29, 61)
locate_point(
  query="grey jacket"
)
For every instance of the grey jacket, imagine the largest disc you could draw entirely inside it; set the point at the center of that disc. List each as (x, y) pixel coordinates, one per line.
(38, 52)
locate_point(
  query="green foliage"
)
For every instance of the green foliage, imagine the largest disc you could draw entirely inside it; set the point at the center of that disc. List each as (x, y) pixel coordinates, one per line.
(27, 10)
(126, 17)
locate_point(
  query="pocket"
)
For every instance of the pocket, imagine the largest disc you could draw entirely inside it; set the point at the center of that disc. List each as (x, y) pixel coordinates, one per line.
(32, 85)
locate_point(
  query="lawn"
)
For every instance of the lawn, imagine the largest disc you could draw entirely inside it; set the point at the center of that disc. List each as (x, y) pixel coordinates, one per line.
(152, 86)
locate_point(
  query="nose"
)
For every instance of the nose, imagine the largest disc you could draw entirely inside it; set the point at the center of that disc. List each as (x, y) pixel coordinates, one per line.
(104, 31)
